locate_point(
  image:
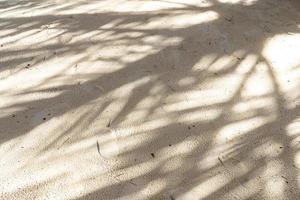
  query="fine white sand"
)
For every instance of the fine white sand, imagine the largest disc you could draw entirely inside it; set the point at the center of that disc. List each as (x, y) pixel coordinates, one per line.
(150, 99)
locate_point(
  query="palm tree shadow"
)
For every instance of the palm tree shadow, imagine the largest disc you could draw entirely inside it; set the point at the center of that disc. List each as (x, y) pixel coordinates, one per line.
(173, 70)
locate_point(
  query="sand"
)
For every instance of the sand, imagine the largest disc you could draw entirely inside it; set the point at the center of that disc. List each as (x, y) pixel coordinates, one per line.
(132, 99)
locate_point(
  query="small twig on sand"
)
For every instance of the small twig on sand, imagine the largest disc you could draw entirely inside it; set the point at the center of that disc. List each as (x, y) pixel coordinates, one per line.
(132, 183)
(98, 148)
(221, 162)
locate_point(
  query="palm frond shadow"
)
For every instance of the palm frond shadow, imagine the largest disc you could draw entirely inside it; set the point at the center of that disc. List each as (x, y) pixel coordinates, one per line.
(170, 78)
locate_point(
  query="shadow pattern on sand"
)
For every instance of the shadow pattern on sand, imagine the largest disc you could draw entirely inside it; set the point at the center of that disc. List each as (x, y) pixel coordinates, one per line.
(171, 78)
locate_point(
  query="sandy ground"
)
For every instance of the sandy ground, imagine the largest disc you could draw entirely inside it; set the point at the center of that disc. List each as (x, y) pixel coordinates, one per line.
(161, 99)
